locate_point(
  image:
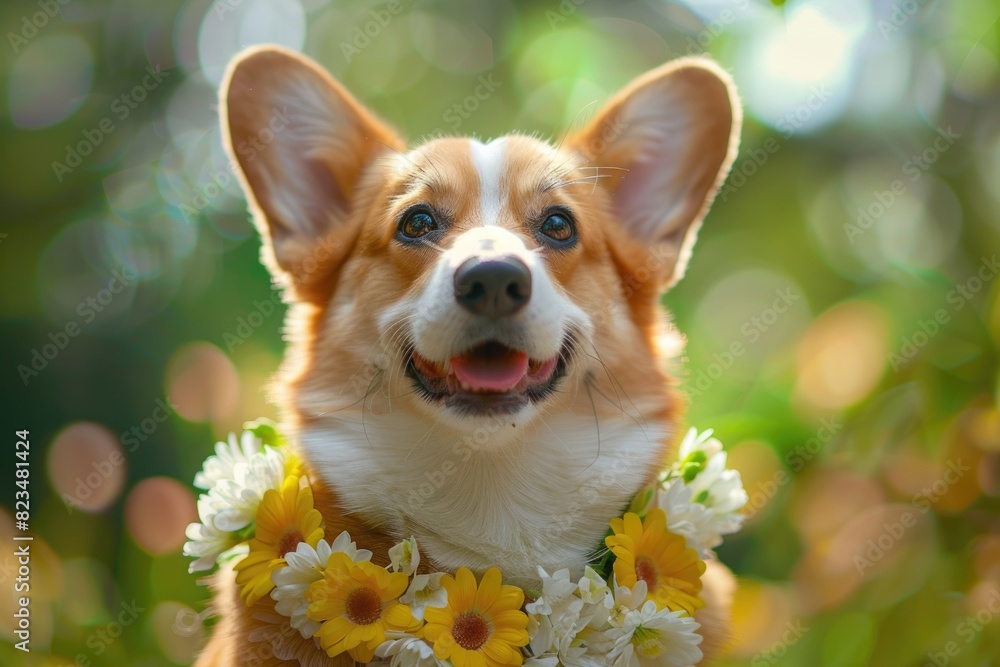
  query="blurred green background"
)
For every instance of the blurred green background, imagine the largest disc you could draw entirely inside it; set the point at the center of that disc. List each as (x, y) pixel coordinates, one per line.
(842, 308)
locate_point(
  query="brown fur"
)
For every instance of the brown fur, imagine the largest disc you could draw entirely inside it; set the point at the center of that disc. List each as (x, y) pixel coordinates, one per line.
(344, 246)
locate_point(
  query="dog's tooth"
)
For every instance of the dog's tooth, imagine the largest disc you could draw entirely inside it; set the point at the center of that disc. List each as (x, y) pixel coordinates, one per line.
(465, 386)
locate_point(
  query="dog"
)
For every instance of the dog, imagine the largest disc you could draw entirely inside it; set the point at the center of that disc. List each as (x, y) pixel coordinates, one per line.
(477, 352)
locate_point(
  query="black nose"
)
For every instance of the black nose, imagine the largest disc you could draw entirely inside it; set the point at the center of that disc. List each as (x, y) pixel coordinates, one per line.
(493, 287)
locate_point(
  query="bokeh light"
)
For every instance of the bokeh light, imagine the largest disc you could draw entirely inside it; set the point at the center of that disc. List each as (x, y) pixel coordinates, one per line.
(202, 383)
(841, 357)
(843, 408)
(49, 82)
(177, 633)
(157, 512)
(798, 66)
(87, 466)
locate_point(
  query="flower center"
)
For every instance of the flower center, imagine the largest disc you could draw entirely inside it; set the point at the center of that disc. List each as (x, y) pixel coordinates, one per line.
(645, 570)
(288, 542)
(647, 642)
(470, 631)
(364, 606)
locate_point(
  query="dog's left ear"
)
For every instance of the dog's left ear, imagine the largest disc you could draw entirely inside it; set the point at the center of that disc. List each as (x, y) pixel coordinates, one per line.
(670, 138)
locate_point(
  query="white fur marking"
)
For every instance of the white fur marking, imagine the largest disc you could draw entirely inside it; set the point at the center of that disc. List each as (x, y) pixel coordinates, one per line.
(488, 159)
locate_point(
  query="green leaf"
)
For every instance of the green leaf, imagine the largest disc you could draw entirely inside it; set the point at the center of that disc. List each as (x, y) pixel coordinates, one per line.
(266, 430)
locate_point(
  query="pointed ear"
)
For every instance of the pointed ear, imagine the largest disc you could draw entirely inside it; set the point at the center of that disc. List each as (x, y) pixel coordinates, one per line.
(302, 145)
(673, 133)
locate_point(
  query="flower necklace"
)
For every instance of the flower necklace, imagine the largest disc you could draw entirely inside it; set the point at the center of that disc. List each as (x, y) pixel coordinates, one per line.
(632, 608)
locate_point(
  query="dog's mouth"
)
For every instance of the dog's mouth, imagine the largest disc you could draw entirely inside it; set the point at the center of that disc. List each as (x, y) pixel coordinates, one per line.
(490, 377)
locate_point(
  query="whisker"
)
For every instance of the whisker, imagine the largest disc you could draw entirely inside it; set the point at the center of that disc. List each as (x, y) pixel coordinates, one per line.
(364, 427)
(561, 441)
(597, 427)
(396, 151)
(368, 354)
(583, 179)
(601, 167)
(422, 438)
(433, 245)
(573, 126)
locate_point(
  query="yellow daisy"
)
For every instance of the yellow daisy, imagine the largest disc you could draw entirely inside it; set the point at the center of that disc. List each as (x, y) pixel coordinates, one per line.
(357, 603)
(646, 550)
(285, 517)
(479, 627)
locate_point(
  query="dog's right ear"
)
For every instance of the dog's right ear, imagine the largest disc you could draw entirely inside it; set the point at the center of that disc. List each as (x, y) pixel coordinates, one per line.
(301, 143)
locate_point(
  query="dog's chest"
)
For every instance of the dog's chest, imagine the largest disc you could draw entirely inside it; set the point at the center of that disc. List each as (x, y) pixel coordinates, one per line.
(544, 500)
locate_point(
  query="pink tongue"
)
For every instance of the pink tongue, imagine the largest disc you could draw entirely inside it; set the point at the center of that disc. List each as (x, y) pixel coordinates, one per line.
(490, 368)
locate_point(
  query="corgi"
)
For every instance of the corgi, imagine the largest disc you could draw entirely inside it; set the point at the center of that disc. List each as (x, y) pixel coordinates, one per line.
(477, 353)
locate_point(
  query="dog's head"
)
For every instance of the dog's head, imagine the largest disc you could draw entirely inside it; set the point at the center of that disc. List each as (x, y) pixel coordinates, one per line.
(461, 283)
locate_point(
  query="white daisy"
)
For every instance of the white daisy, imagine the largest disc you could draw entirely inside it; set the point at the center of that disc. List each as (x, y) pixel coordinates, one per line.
(697, 523)
(564, 626)
(346, 545)
(227, 455)
(304, 566)
(702, 466)
(405, 557)
(424, 591)
(556, 589)
(233, 502)
(408, 651)
(592, 588)
(556, 612)
(718, 488)
(656, 638)
(205, 543)
(698, 442)
(624, 600)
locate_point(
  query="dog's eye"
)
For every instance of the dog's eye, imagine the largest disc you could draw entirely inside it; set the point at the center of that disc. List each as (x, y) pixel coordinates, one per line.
(559, 228)
(417, 224)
